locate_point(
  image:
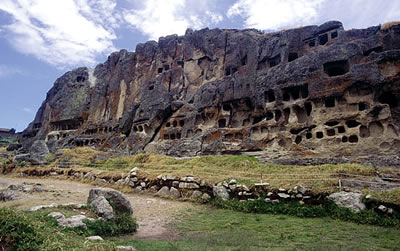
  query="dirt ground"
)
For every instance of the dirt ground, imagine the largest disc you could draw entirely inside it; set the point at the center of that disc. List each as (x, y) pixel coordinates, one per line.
(153, 214)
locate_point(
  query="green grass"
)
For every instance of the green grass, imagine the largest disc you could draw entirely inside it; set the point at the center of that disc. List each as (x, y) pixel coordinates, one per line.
(20, 230)
(205, 228)
(219, 229)
(327, 209)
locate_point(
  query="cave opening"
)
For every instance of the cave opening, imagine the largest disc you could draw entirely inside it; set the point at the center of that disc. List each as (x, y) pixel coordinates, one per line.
(221, 123)
(278, 115)
(352, 123)
(353, 139)
(330, 102)
(323, 39)
(336, 68)
(292, 56)
(388, 98)
(308, 107)
(269, 96)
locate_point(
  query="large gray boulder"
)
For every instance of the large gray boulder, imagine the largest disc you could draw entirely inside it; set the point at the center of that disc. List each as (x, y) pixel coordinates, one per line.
(102, 207)
(9, 195)
(117, 200)
(349, 200)
(39, 152)
(221, 192)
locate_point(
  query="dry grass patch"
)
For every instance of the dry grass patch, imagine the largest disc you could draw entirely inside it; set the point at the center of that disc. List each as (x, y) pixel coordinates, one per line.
(247, 170)
(389, 25)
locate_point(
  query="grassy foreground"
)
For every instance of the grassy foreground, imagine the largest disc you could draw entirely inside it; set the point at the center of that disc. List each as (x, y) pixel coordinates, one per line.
(206, 228)
(217, 229)
(20, 230)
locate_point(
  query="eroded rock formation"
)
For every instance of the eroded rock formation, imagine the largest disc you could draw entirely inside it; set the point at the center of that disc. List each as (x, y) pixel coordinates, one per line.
(315, 90)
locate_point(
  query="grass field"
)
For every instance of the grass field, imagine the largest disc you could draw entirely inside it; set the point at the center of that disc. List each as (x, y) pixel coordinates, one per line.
(208, 228)
(216, 229)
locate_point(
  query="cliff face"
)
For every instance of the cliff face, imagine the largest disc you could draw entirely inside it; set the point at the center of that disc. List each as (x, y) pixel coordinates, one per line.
(316, 90)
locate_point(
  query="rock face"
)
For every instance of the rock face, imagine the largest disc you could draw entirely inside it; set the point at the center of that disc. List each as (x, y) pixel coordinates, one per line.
(221, 192)
(316, 90)
(102, 207)
(349, 200)
(39, 152)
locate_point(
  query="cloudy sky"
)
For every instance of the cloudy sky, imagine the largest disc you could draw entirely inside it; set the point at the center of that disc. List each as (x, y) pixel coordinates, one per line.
(41, 39)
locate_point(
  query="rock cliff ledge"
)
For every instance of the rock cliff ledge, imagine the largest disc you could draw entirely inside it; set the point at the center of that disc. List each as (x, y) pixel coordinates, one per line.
(315, 90)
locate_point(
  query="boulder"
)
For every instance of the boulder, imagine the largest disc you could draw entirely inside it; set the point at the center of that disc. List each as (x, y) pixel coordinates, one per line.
(382, 208)
(196, 194)
(39, 152)
(186, 185)
(9, 195)
(174, 192)
(205, 196)
(42, 206)
(283, 195)
(349, 200)
(56, 215)
(221, 192)
(73, 221)
(102, 207)
(118, 200)
(164, 192)
(94, 238)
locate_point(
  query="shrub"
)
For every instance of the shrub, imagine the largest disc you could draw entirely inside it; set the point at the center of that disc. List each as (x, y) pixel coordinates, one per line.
(121, 224)
(294, 208)
(18, 232)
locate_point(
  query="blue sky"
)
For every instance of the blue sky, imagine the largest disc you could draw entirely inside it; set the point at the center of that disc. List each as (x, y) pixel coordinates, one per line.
(42, 39)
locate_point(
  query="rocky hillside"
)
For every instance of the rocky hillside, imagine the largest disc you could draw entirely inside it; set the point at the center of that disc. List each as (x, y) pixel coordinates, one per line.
(315, 90)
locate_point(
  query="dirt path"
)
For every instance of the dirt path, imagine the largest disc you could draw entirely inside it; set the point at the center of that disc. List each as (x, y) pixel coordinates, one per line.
(153, 214)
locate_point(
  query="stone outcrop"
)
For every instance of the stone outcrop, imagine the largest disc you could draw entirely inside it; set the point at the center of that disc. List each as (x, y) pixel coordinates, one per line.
(39, 152)
(314, 90)
(102, 207)
(100, 197)
(349, 200)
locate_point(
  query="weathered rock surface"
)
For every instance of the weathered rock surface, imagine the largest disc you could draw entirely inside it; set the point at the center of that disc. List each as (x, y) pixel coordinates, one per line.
(9, 195)
(221, 192)
(316, 90)
(349, 200)
(56, 215)
(73, 221)
(94, 238)
(119, 201)
(102, 207)
(39, 152)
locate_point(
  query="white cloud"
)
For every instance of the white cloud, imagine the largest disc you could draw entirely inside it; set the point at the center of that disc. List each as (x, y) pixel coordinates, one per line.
(275, 14)
(28, 110)
(62, 33)
(157, 18)
(6, 70)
